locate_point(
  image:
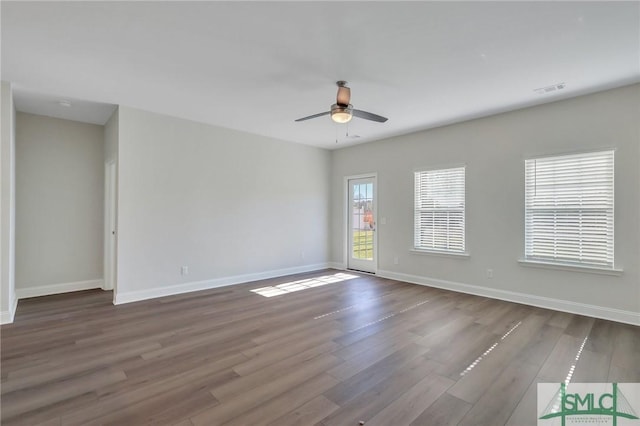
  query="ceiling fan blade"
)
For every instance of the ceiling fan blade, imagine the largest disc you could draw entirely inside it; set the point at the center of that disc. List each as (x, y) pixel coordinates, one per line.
(314, 116)
(344, 95)
(369, 116)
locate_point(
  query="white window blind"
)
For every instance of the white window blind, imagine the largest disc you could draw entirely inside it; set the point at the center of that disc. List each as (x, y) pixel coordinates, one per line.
(439, 210)
(569, 209)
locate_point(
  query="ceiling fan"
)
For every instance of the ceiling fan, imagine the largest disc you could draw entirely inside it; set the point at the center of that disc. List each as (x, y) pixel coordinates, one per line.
(342, 111)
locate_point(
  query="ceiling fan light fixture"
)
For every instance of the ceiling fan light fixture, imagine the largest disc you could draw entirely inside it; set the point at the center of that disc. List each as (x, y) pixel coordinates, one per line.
(342, 111)
(341, 114)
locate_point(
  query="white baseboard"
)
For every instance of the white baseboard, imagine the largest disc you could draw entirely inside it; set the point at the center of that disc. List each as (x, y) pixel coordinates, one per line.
(6, 317)
(152, 293)
(337, 265)
(47, 290)
(628, 317)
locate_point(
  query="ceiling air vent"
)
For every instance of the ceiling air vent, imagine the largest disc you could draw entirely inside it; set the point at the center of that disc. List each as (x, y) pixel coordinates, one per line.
(549, 89)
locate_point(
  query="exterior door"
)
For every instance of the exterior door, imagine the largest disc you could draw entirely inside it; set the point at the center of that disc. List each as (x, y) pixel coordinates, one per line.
(362, 241)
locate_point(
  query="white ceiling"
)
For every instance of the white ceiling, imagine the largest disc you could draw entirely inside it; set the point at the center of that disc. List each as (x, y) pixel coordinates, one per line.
(61, 106)
(257, 66)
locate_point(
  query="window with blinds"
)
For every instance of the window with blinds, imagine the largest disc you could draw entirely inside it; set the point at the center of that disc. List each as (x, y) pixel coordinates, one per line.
(439, 210)
(569, 209)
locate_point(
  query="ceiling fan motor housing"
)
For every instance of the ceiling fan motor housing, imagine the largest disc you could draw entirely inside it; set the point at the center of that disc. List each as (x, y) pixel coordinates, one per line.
(342, 111)
(344, 94)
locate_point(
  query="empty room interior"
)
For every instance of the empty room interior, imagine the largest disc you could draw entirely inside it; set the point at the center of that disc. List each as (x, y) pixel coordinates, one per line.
(320, 213)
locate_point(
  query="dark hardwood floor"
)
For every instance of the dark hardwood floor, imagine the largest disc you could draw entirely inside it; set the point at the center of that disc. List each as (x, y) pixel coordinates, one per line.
(331, 353)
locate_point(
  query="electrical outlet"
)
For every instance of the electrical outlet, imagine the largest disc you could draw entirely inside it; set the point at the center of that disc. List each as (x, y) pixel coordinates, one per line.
(302, 254)
(184, 270)
(489, 273)
(396, 260)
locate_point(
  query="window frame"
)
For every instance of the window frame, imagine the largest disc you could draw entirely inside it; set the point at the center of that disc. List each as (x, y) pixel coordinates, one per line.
(566, 263)
(440, 251)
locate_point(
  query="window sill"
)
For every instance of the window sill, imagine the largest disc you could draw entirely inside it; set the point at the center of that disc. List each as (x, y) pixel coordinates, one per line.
(464, 255)
(566, 267)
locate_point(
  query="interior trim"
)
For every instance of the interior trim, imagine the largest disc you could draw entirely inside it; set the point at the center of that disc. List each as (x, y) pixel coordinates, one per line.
(618, 315)
(48, 290)
(152, 293)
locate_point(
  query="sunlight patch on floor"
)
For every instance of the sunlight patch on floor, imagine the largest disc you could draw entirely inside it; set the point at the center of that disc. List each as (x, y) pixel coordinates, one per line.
(293, 286)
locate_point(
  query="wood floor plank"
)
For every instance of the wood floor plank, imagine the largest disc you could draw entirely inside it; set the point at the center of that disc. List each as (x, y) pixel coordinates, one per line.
(579, 326)
(591, 367)
(320, 333)
(453, 342)
(525, 413)
(624, 358)
(601, 337)
(292, 328)
(408, 406)
(170, 405)
(54, 411)
(442, 314)
(447, 410)
(141, 370)
(460, 361)
(559, 363)
(309, 413)
(500, 399)
(272, 371)
(366, 359)
(560, 319)
(471, 386)
(263, 391)
(537, 349)
(368, 404)
(54, 371)
(285, 402)
(336, 353)
(498, 310)
(116, 400)
(182, 409)
(627, 346)
(447, 332)
(49, 422)
(376, 342)
(621, 374)
(22, 401)
(351, 387)
(317, 343)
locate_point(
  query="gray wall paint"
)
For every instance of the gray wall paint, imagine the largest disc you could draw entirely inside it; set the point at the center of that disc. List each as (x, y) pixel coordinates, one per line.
(7, 204)
(111, 134)
(222, 202)
(227, 203)
(111, 141)
(59, 205)
(494, 150)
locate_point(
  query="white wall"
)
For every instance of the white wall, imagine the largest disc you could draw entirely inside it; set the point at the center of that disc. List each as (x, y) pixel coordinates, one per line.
(7, 206)
(111, 140)
(111, 132)
(59, 205)
(494, 150)
(229, 205)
